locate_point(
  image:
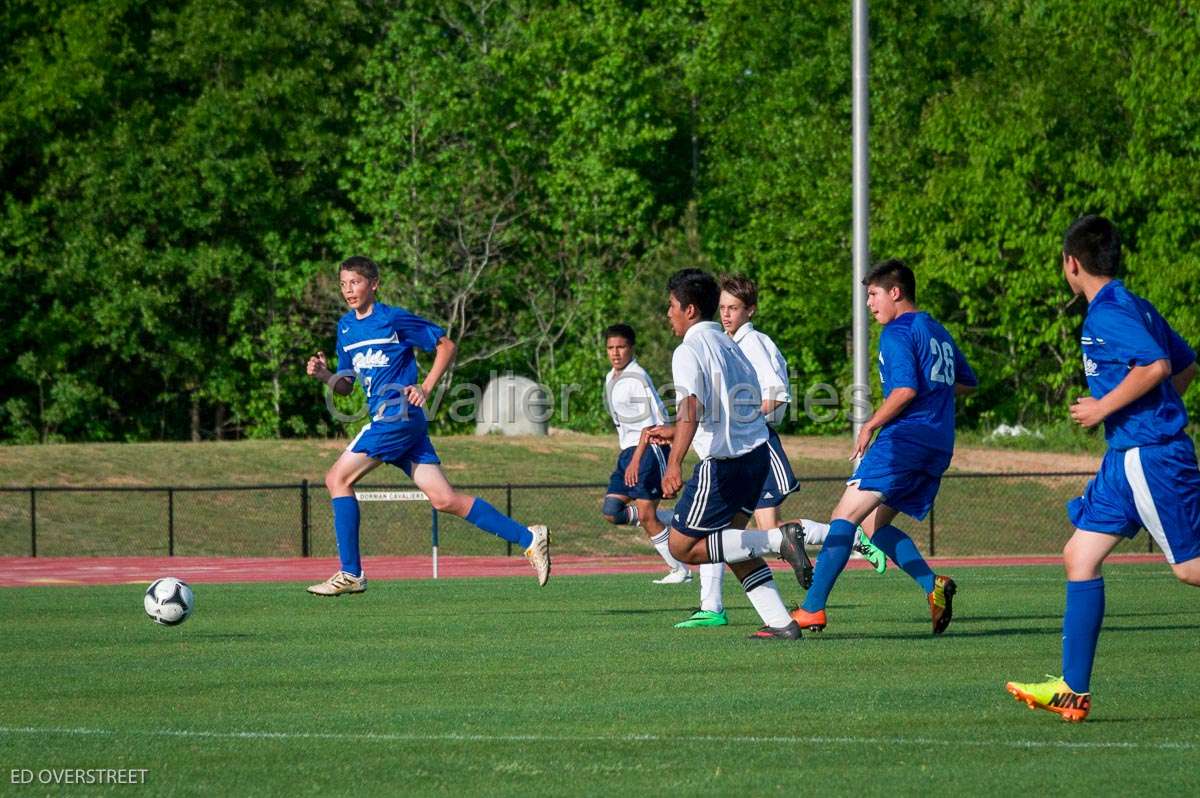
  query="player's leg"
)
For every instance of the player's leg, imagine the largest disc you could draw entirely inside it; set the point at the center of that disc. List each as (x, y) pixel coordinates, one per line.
(349, 468)
(898, 546)
(535, 540)
(659, 535)
(1188, 572)
(618, 510)
(853, 508)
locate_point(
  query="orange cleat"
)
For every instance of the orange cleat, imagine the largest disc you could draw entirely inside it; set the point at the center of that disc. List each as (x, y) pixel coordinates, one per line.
(812, 621)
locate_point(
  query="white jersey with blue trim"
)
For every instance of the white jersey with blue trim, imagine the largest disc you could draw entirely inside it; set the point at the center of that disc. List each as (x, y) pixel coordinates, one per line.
(377, 350)
(770, 367)
(633, 403)
(711, 367)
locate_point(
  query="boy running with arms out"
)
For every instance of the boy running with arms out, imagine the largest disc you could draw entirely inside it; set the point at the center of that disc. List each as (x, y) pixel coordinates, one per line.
(634, 490)
(719, 415)
(375, 345)
(1137, 368)
(921, 371)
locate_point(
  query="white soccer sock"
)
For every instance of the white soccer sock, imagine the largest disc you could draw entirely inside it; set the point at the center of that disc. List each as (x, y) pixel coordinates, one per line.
(814, 532)
(761, 590)
(739, 545)
(660, 543)
(712, 575)
(632, 515)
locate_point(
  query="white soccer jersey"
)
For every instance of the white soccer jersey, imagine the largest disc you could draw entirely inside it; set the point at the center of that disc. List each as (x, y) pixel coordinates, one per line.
(711, 367)
(633, 403)
(769, 366)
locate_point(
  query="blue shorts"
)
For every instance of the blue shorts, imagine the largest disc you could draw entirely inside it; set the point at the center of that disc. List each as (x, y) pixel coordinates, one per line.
(650, 471)
(1156, 487)
(780, 479)
(399, 443)
(908, 479)
(719, 490)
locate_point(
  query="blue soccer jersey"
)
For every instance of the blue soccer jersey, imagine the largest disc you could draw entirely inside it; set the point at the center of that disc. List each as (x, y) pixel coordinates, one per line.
(1121, 331)
(378, 349)
(916, 352)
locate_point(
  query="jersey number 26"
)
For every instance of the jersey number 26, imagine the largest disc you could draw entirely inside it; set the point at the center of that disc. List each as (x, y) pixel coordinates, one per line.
(943, 362)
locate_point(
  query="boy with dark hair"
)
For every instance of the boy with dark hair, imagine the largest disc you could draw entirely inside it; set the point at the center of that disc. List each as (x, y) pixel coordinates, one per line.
(634, 492)
(1137, 369)
(921, 371)
(719, 415)
(375, 344)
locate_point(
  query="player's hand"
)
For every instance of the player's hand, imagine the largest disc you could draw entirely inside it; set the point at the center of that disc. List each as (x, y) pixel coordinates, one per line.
(663, 434)
(317, 367)
(1087, 412)
(631, 472)
(415, 395)
(672, 481)
(862, 442)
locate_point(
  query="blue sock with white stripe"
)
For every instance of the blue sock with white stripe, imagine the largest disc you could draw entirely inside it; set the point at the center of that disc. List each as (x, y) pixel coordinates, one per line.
(489, 519)
(1081, 631)
(902, 551)
(345, 528)
(830, 563)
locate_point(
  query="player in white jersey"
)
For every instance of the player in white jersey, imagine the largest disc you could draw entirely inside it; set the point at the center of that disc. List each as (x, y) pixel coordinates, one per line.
(635, 491)
(720, 416)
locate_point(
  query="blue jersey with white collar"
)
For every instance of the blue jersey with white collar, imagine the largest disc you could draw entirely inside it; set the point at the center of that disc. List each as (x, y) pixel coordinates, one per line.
(379, 351)
(916, 352)
(1121, 331)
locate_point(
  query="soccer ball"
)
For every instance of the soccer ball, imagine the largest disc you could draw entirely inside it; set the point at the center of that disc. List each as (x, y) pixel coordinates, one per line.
(169, 601)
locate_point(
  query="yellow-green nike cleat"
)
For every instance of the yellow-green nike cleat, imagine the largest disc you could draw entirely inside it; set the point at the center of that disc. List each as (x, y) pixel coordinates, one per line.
(1054, 696)
(941, 603)
(870, 552)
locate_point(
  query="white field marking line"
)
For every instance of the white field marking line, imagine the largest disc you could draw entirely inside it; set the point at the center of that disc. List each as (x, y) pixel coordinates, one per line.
(591, 738)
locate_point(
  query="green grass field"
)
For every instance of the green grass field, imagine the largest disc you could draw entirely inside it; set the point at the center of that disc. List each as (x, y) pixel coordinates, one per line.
(492, 686)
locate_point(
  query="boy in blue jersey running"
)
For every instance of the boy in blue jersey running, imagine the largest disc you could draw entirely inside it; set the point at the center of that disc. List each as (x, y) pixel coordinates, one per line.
(375, 344)
(921, 371)
(1137, 368)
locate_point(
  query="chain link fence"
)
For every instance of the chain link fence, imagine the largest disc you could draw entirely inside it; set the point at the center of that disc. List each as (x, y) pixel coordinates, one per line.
(975, 514)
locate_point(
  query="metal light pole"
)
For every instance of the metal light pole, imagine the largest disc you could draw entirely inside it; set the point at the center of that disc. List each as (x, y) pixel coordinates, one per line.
(862, 214)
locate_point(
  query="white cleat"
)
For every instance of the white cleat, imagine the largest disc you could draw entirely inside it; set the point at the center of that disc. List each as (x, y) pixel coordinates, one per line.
(340, 583)
(538, 553)
(675, 577)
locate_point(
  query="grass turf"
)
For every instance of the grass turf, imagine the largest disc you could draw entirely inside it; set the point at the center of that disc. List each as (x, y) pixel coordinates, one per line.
(496, 687)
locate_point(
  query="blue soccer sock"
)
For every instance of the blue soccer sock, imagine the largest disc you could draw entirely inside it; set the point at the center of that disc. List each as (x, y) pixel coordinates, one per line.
(902, 551)
(830, 563)
(1081, 631)
(345, 528)
(489, 519)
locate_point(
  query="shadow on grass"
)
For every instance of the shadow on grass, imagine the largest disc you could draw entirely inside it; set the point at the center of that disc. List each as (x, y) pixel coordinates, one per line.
(972, 633)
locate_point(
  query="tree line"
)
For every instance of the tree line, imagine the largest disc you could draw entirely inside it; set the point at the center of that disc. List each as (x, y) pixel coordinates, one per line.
(180, 179)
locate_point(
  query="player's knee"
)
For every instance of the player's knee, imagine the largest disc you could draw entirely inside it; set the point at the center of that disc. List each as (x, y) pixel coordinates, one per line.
(613, 510)
(335, 482)
(1189, 573)
(443, 502)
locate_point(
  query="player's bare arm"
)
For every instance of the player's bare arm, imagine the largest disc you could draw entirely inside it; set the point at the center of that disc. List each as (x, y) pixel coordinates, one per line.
(318, 367)
(893, 406)
(1088, 411)
(962, 389)
(635, 462)
(686, 423)
(442, 358)
(769, 406)
(1183, 378)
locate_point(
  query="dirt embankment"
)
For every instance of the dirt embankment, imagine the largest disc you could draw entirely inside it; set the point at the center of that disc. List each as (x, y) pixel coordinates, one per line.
(966, 458)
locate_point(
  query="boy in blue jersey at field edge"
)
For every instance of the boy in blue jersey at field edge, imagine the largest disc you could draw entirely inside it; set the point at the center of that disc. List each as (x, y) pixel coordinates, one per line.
(921, 371)
(375, 344)
(1137, 368)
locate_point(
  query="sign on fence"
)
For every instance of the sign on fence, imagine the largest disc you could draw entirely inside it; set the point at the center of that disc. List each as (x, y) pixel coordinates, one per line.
(404, 496)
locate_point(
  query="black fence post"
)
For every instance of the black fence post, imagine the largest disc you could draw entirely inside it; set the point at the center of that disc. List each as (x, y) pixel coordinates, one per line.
(33, 522)
(170, 522)
(305, 551)
(932, 548)
(508, 512)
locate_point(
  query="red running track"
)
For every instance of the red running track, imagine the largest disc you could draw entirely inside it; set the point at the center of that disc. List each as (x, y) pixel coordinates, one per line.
(42, 571)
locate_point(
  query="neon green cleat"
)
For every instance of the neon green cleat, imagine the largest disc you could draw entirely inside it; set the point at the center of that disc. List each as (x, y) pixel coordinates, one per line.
(871, 552)
(1054, 695)
(704, 618)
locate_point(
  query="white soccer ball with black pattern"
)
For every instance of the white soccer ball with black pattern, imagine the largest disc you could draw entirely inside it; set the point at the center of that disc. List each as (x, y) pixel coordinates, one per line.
(169, 601)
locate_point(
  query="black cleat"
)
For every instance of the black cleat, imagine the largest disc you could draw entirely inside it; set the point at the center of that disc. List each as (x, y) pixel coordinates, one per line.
(789, 632)
(792, 550)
